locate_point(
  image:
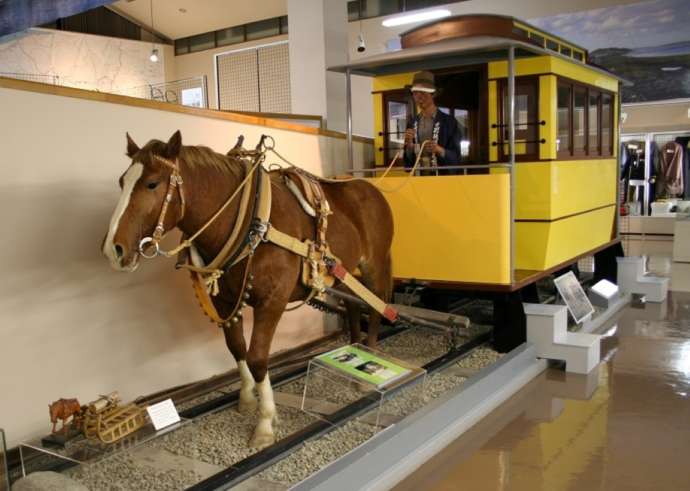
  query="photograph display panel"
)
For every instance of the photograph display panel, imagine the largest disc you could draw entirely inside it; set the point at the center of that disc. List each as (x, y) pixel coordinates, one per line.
(575, 298)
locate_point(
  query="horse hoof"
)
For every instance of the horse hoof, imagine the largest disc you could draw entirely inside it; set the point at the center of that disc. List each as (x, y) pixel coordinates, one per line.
(248, 406)
(262, 441)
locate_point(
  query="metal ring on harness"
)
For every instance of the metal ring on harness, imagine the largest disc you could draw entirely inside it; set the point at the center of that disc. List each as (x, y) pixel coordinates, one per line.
(142, 247)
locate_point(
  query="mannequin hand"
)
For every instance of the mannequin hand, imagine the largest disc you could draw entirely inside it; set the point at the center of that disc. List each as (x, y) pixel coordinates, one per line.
(409, 137)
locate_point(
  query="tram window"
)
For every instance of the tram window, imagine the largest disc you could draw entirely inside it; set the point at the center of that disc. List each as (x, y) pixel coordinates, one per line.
(537, 38)
(565, 51)
(578, 55)
(552, 45)
(526, 114)
(462, 116)
(564, 119)
(579, 122)
(606, 124)
(594, 123)
(395, 122)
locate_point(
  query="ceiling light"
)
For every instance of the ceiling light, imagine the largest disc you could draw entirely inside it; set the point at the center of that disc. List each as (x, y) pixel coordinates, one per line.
(154, 55)
(418, 17)
(671, 68)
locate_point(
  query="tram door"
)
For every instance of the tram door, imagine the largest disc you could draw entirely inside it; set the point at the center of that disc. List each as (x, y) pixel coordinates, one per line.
(459, 96)
(398, 108)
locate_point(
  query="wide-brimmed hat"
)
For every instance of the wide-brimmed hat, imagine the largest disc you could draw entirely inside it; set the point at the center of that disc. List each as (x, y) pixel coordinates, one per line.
(423, 82)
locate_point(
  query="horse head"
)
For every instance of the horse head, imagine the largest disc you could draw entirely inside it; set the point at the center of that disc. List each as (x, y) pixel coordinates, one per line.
(145, 187)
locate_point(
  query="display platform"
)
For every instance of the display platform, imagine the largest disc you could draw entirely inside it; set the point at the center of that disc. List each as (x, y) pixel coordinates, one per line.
(35, 455)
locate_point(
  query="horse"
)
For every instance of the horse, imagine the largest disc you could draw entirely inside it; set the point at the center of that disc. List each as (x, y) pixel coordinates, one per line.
(63, 409)
(359, 233)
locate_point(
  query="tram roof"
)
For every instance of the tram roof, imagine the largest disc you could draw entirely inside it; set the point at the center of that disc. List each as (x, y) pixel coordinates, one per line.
(450, 53)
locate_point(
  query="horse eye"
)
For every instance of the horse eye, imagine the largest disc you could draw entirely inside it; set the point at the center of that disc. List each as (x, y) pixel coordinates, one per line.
(152, 185)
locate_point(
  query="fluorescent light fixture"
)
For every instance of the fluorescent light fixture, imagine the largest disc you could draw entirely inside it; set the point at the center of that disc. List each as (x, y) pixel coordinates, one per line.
(154, 55)
(417, 17)
(671, 68)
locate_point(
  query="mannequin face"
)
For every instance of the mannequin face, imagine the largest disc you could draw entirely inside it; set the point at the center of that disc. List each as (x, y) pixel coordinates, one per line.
(424, 100)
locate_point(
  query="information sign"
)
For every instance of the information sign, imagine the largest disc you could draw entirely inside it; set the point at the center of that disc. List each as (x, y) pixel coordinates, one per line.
(163, 414)
(363, 365)
(575, 298)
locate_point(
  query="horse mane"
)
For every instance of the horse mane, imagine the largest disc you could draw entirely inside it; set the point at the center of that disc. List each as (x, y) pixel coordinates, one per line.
(195, 157)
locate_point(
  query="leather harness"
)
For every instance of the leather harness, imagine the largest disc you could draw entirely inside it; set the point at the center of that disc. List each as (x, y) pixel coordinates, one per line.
(320, 266)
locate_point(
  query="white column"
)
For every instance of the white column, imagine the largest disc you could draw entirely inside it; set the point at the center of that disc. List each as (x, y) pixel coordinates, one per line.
(318, 39)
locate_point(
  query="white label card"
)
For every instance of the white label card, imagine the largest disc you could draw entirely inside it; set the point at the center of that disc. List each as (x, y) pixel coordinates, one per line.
(163, 414)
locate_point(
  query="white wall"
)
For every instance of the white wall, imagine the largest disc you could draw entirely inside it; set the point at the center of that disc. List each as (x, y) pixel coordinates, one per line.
(71, 326)
(81, 60)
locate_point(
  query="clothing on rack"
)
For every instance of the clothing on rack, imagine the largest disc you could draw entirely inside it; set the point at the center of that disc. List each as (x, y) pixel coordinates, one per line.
(684, 142)
(670, 171)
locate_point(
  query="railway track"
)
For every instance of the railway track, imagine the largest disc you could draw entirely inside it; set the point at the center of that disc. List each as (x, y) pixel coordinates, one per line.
(290, 371)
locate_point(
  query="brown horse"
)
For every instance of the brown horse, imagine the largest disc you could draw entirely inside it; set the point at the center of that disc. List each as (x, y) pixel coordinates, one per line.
(63, 409)
(359, 233)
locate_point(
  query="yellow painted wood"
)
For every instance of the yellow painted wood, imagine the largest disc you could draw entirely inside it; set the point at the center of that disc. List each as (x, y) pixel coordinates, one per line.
(582, 73)
(556, 65)
(523, 66)
(550, 190)
(493, 119)
(392, 82)
(542, 245)
(548, 108)
(378, 128)
(450, 228)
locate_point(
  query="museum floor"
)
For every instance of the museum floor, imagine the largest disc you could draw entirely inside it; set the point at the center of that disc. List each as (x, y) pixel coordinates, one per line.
(626, 426)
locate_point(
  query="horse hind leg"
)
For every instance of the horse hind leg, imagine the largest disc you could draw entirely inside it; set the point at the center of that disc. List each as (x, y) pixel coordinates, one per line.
(380, 281)
(354, 313)
(234, 338)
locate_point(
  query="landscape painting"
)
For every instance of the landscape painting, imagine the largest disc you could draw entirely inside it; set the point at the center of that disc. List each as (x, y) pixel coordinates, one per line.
(647, 43)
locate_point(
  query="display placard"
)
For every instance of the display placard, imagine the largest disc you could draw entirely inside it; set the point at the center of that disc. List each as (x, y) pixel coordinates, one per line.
(575, 298)
(364, 365)
(163, 414)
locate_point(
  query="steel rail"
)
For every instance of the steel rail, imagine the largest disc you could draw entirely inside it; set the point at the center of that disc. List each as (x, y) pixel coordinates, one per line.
(255, 463)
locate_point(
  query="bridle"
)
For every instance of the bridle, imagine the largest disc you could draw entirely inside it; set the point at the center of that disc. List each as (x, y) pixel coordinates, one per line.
(148, 244)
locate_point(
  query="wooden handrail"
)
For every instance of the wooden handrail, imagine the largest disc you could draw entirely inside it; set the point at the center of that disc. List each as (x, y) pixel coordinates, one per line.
(59, 90)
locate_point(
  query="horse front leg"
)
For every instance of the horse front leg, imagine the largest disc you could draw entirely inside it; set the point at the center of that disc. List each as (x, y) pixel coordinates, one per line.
(234, 339)
(265, 321)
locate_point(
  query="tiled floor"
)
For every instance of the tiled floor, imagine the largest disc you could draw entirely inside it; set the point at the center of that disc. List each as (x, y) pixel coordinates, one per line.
(626, 426)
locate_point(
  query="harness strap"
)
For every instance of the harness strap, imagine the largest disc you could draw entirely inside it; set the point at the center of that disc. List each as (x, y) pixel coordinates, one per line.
(229, 246)
(362, 291)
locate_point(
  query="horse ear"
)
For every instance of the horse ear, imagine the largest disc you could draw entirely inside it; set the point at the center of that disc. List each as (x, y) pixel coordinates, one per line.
(132, 148)
(172, 149)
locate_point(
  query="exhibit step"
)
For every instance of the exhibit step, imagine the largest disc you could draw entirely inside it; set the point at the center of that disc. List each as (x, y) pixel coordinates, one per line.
(633, 279)
(547, 329)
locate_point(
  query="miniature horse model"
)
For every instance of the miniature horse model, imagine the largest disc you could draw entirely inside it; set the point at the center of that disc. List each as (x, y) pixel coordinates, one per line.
(359, 234)
(63, 409)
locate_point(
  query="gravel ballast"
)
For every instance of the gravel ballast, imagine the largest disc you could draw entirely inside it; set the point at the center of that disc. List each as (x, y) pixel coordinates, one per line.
(215, 441)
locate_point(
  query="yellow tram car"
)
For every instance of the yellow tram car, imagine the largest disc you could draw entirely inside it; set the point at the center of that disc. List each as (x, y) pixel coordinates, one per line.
(519, 212)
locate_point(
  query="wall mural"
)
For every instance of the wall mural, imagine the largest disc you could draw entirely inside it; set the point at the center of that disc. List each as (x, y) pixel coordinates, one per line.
(646, 43)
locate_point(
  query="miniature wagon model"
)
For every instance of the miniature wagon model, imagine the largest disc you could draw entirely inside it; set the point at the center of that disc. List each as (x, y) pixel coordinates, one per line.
(106, 420)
